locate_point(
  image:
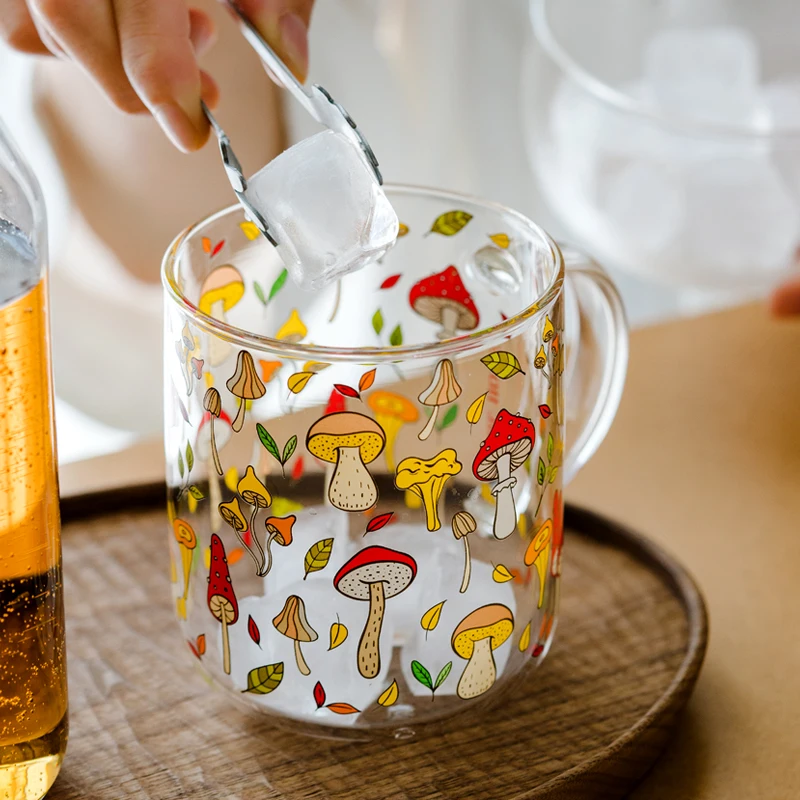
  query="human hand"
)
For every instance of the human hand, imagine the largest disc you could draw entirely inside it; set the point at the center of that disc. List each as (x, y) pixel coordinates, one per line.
(786, 299)
(143, 53)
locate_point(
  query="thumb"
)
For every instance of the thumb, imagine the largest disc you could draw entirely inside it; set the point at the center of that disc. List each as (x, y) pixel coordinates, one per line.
(284, 24)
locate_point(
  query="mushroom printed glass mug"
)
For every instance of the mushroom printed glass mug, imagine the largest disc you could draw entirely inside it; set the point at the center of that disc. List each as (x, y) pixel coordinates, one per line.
(365, 482)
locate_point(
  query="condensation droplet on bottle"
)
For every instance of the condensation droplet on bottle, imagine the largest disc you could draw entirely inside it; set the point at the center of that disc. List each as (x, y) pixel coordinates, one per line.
(495, 269)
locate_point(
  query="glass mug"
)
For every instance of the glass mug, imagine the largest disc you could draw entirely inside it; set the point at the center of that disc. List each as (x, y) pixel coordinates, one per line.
(365, 483)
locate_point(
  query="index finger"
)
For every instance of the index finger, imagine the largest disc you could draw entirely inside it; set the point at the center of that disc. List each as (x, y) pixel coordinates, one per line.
(160, 62)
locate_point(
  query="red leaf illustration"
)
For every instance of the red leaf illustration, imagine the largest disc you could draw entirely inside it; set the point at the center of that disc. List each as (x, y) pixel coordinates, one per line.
(504, 317)
(201, 644)
(376, 523)
(193, 648)
(253, 630)
(342, 708)
(319, 695)
(335, 403)
(219, 245)
(347, 391)
(297, 469)
(367, 379)
(545, 411)
(537, 651)
(390, 281)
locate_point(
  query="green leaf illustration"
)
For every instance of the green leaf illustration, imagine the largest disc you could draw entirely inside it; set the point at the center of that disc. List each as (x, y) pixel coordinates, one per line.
(278, 285)
(396, 338)
(289, 448)
(181, 468)
(195, 492)
(189, 456)
(377, 322)
(550, 445)
(449, 418)
(553, 472)
(450, 223)
(259, 292)
(268, 441)
(541, 471)
(263, 680)
(422, 675)
(442, 676)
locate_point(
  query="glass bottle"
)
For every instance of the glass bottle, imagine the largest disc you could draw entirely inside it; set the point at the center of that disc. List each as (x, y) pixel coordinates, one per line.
(33, 681)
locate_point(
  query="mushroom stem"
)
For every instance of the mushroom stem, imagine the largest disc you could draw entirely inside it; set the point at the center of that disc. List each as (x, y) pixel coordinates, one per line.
(268, 564)
(505, 512)
(480, 673)
(226, 645)
(260, 559)
(215, 498)
(298, 657)
(352, 487)
(428, 429)
(369, 646)
(449, 323)
(467, 566)
(214, 453)
(238, 420)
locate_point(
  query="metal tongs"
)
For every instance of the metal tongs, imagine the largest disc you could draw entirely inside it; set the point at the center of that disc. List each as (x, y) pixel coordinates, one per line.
(316, 100)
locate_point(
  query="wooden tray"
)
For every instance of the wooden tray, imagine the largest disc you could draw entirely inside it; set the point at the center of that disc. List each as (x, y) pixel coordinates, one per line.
(144, 724)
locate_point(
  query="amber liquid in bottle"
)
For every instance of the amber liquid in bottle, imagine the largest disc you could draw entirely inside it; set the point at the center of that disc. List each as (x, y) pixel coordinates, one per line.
(33, 681)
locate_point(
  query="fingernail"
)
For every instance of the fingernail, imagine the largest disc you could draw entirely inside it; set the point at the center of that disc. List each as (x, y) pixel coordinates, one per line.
(177, 125)
(294, 44)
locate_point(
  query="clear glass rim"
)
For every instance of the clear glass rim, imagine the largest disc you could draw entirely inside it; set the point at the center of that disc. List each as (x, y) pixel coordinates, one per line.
(372, 355)
(613, 97)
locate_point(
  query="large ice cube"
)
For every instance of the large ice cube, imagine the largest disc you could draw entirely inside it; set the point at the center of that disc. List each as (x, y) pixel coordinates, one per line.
(707, 73)
(325, 209)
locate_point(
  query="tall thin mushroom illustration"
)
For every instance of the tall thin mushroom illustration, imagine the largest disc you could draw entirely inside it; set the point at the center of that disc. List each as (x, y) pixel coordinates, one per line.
(351, 441)
(279, 530)
(392, 411)
(374, 574)
(231, 512)
(254, 493)
(426, 479)
(221, 598)
(443, 298)
(463, 524)
(246, 385)
(187, 541)
(503, 452)
(443, 389)
(222, 289)
(293, 623)
(476, 636)
(213, 434)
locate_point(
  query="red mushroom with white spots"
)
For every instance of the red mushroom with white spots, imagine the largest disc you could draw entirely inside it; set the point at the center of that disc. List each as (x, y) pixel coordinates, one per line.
(374, 574)
(443, 298)
(506, 447)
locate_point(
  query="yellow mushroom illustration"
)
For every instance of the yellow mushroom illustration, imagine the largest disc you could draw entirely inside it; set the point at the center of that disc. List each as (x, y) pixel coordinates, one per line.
(538, 554)
(475, 638)
(293, 330)
(254, 493)
(443, 389)
(350, 441)
(222, 289)
(187, 540)
(392, 411)
(427, 479)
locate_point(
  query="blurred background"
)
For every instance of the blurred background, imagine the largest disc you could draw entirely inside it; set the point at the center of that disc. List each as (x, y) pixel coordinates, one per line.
(662, 136)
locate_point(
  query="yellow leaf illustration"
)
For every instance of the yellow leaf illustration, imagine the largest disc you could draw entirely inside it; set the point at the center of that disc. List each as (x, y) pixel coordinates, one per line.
(207, 557)
(232, 478)
(338, 635)
(475, 411)
(250, 230)
(501, 240)
(503, 364)
(298, 381)
(192, 503)
(430, 619)
(402, 230)
(389, 697)
(450, 223)
(500, 574)
(525, 639)
(318, 556)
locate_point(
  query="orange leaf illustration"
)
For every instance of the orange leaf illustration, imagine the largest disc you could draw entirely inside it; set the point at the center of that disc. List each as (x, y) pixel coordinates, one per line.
(206, 244)
(367, 379)
(342, 708)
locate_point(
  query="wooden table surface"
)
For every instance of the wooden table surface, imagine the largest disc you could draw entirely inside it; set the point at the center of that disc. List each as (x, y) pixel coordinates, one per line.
(705, 459)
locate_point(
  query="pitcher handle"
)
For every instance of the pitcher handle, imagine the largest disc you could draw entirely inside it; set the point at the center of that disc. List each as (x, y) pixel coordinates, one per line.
(595, 382)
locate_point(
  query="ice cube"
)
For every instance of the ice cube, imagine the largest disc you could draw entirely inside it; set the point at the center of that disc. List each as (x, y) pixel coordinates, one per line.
(743, 223)
(325, 208)
(710, 74)
(645, 206)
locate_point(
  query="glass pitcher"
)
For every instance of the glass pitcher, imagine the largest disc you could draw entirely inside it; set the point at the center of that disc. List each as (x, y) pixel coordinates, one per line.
(33, 682)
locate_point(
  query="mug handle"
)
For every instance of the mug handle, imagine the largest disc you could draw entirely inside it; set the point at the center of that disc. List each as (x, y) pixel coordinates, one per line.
(596, 376)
